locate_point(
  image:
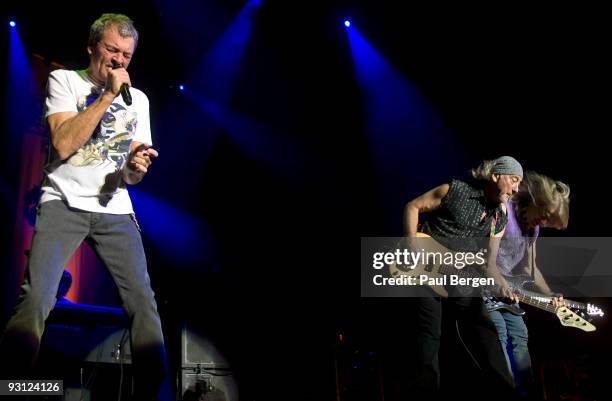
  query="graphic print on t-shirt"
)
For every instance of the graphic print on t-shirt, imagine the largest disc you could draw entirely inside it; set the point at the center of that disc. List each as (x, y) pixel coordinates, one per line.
(109, 145)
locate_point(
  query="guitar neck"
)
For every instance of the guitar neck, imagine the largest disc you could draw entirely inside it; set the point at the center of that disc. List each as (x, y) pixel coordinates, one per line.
(543, 299)
(538, 302)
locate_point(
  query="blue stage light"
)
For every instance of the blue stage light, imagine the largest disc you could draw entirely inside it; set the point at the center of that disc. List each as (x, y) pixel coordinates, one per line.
(181, 87)
(12, 24)
(347, 23)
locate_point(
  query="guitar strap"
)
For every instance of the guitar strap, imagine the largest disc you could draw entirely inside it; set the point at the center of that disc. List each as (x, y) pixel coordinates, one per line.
(532, 259)
(494, 223)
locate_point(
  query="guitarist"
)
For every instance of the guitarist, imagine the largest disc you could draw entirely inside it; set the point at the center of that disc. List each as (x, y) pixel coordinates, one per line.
(541, 202)
(472, 211)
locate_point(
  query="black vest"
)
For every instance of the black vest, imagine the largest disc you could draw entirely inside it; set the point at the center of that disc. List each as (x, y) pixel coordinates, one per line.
(457, 222)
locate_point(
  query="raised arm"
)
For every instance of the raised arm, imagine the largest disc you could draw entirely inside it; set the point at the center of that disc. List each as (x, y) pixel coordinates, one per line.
(69, 130)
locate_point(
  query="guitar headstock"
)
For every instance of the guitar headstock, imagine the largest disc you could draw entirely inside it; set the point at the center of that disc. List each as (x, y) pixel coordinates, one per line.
(572, 319)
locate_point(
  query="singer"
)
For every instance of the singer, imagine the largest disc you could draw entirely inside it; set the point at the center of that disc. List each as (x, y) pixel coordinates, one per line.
(99, 143)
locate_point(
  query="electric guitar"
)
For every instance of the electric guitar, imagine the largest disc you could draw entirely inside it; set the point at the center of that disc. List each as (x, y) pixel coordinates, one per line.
(522, 284)
(570, 313)
(432, 269)
(494, 304)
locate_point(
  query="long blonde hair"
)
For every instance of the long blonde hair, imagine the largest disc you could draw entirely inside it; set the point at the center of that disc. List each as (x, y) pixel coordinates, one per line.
(544, 193)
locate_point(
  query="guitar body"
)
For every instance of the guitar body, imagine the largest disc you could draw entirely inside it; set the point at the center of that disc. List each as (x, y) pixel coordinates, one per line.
(432, 271)
(494, 304)
(435, 272)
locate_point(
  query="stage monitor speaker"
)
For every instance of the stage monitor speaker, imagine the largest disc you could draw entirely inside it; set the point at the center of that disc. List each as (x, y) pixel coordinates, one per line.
(205, 372)
(88, 347)
(199, 350)
(88, 333)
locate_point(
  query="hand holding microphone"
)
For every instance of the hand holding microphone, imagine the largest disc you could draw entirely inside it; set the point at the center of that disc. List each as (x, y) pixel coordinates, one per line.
(125, 89)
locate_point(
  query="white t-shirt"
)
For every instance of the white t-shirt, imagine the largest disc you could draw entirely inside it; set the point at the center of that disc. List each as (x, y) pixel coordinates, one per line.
(91, 179)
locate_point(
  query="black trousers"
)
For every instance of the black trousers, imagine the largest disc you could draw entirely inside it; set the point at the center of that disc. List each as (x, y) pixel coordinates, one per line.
(477, 331)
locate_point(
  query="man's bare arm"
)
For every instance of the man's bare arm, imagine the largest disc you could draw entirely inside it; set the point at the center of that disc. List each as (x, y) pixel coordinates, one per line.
(493, 269)
(538, 278)
(427, 202)
(70, 130)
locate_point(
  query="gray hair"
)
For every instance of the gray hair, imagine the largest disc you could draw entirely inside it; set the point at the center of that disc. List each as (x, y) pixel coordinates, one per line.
(484, 171)
(124, 25)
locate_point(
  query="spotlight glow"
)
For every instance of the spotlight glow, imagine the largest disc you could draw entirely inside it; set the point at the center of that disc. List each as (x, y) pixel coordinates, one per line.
(347, 23)
(181, 87)
(12, 24)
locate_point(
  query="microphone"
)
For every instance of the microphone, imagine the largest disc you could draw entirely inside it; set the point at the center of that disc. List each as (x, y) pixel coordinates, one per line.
(125, 89)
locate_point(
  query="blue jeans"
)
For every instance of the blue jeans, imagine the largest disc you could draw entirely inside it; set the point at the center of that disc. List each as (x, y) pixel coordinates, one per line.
(116, 238)
(513, 336)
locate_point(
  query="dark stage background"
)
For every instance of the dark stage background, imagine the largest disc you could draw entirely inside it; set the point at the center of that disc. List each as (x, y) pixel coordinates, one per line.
(266, 209)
